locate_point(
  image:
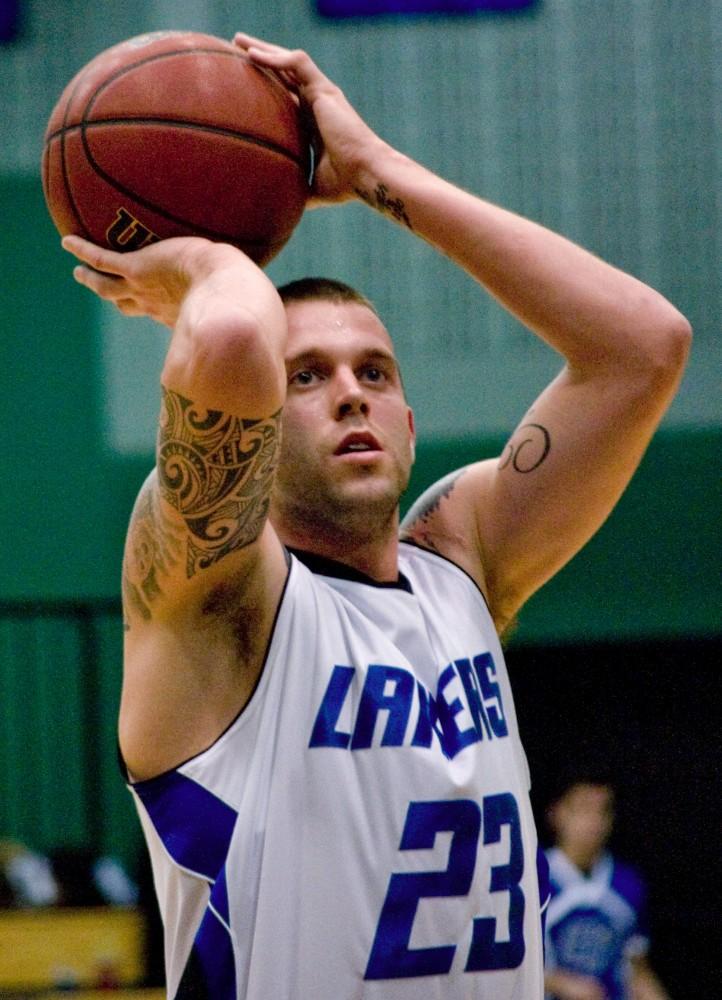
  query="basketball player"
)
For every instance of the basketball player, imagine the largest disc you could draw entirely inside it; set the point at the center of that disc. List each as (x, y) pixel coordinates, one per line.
(316, 717)
(597, 940)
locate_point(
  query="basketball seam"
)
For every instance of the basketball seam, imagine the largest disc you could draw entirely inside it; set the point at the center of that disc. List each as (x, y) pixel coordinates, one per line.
(163, 213)
(64, 168)
(184, 52)
(270, 76)
(191, 126)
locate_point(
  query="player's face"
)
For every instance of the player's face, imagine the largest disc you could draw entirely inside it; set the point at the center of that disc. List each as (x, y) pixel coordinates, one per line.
(348, 433)
(584, 817)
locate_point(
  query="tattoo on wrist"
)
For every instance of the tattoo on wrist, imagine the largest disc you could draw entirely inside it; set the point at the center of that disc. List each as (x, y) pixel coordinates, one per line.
(380, 199)
(527, 449)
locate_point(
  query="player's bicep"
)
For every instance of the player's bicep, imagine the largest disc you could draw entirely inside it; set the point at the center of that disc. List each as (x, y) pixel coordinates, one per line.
(205, 505)
(558, 478)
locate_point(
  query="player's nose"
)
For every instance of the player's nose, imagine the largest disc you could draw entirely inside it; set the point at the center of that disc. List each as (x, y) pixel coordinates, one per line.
(350, 395)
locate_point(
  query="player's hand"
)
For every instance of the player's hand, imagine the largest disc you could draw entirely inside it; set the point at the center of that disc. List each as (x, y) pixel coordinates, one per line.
(345, 144)
(570, 986)
(153, 281)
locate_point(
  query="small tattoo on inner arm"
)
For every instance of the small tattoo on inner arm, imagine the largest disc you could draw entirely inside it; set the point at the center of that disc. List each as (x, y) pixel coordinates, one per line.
(527, 449)
(381, 200)
(444, 489)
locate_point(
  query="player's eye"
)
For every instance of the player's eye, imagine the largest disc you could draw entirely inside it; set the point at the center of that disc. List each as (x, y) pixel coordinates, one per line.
(304, 376)
(374, 374)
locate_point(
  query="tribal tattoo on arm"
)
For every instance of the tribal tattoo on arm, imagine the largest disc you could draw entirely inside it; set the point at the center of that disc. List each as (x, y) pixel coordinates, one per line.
(216, 471)
(151, 553)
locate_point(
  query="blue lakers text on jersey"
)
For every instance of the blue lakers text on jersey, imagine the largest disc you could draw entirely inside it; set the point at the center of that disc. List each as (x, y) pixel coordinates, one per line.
(466, 708)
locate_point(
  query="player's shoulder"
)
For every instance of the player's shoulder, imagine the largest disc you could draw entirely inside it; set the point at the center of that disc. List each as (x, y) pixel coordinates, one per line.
(561, 870)
(442, 520)
(449, 501)
(628, 882)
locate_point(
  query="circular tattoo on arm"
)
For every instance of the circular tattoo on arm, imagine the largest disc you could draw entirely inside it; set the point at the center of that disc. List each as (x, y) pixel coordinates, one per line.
(527, 449)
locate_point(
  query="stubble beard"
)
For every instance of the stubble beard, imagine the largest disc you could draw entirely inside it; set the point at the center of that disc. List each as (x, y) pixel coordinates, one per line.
(343, 518)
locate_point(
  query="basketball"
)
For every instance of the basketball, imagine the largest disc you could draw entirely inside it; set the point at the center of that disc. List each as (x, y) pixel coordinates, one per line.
(177, 134)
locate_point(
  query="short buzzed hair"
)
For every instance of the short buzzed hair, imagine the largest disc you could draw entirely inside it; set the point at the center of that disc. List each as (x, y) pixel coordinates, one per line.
(328, 289)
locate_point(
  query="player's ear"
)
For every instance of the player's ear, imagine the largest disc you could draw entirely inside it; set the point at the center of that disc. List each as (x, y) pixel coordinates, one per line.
(551, 816)
(412, 433)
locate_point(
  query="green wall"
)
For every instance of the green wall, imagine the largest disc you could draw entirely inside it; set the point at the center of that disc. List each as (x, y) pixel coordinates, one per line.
(653, 568)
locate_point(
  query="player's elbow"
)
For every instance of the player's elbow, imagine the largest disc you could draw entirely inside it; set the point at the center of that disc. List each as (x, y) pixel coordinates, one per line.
(235, 363)
(672, 347)
(657, 353)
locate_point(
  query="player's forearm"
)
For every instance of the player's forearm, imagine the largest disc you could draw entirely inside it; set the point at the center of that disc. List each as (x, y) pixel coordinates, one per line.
(227, 346)
(589, 311)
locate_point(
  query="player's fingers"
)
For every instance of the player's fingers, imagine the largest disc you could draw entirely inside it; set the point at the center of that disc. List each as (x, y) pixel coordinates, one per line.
(244, 41)
(296, 63)
(259, 46)
(99, 259)
(263, 49)
(129, 307)
(107, 286)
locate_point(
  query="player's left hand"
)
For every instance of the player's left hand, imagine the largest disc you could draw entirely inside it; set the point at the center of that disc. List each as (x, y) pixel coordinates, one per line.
(346, 146)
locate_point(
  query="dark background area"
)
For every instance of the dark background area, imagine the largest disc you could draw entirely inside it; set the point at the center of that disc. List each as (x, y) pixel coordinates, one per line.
(648, 714)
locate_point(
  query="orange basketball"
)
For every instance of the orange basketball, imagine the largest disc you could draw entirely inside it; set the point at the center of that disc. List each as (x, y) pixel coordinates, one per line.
(177, 134)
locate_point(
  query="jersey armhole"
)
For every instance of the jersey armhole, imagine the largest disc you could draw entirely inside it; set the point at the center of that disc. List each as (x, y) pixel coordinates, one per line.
(451, 562)
(125, 773)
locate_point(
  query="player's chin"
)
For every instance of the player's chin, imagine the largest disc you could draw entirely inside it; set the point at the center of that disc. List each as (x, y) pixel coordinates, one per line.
(372, 486)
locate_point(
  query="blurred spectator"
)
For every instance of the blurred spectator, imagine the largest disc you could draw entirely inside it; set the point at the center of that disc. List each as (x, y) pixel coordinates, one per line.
(596, 935)
(66, 877)
(28, 876)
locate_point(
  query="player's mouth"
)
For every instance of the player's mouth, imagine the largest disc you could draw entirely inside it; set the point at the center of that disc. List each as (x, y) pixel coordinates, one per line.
(359, 445)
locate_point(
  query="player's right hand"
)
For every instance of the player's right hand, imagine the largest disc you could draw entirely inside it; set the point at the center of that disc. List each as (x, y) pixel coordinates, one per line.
(346, 146)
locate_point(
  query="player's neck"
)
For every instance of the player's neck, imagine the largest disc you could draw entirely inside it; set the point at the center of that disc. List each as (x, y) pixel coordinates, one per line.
(376, 558)
(582, 858)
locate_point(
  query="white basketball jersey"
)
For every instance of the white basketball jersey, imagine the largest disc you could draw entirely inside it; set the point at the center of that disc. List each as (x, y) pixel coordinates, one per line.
(362, 831)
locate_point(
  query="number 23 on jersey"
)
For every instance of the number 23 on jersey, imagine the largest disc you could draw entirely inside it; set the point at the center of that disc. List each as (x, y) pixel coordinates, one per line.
(391, 957)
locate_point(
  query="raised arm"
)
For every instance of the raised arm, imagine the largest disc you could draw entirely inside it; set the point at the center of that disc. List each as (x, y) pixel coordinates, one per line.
(576, 448)
(200, 558)
(515, 521)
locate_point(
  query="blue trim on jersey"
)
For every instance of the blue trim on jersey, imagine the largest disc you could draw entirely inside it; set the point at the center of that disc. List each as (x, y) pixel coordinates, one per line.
(193, 823)
(545, 888)
(630, 886)
(210, 973)
(219, 897)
